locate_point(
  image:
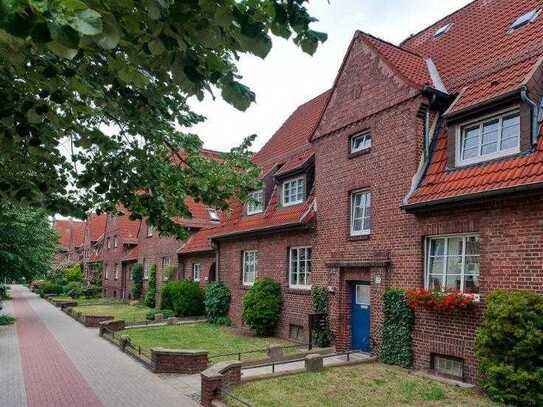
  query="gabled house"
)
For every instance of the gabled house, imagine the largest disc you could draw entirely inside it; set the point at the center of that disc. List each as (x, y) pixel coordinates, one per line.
(95, 227)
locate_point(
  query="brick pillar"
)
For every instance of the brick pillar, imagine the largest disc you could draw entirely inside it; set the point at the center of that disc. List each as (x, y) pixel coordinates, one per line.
(215, 378)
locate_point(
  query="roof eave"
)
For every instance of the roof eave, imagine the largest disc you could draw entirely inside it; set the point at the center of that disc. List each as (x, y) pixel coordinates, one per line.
(284, 227)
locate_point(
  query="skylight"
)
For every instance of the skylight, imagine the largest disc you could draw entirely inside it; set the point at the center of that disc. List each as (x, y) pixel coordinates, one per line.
(442, 30)
(524, 19)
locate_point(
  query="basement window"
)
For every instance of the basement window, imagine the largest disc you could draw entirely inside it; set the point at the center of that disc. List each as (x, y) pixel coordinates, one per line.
(448, 366)
(442, 30)
(525, 19)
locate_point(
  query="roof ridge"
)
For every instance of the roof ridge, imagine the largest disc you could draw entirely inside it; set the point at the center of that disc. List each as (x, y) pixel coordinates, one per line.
(412, 36)
(390, 43)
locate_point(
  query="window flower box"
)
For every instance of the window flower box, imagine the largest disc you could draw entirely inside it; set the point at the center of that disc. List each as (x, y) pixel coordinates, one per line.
(438, 300)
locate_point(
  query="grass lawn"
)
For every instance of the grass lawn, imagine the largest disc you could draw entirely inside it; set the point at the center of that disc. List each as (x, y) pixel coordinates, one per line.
(118, 311)
(370, 384)
(217, 340)
(83, 300)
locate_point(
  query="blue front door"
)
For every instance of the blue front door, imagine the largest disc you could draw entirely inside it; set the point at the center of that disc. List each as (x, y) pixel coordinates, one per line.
(360, 317)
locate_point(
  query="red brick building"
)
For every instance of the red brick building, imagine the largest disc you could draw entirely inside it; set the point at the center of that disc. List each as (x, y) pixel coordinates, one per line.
(421, 167)
(70, 242)
(95, 227)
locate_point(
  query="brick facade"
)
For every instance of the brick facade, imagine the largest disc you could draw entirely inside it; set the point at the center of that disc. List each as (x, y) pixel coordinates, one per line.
(208, 267)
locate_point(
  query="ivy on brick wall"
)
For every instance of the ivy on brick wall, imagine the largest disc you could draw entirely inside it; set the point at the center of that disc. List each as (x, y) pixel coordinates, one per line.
(150, 296)
(396, 348)
(321, 298)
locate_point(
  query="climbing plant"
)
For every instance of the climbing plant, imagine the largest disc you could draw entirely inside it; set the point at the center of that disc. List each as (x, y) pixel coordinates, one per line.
(150, 296)
(137, 278)
(321, 298)
(396, 348)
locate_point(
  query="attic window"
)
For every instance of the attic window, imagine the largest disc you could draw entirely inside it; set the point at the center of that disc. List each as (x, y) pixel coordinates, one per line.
(442, 30)
(525, 19)
(213, 215)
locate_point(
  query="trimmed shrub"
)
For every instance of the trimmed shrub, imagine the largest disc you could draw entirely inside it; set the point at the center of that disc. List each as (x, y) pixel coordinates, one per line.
(167, 313)
(185, 297)
(51, 288)
(150, 296)
(137, 278)
(74, 289)
(509, 345)
(92, 291)
(6, 320)
(217, 302)
(262, 306)
(73, 273)
(398, 321)
(323, 335)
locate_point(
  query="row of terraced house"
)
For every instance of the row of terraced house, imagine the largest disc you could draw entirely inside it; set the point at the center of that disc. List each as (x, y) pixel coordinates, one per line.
(422, 166)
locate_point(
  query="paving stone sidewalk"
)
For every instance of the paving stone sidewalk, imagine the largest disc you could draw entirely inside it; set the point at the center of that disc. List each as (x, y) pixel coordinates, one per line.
(48, 359)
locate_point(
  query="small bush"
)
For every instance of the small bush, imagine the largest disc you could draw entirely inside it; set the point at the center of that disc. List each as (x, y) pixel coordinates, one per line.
(73, 274)
(92, 291)
(4, 292)
(185, 297)
(150, 296)
(51, 288)
(398, 323)
(6, 320)
(217, 302)
(166, 313)
(262, 306)
(321, 298)
(509, 345)
(74, 289)
(137, 278)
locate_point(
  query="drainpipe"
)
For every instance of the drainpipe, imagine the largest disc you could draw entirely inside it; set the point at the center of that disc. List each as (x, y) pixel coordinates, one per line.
(536, 111)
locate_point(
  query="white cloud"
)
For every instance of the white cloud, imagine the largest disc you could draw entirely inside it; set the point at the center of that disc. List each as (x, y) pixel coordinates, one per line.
(288, 77)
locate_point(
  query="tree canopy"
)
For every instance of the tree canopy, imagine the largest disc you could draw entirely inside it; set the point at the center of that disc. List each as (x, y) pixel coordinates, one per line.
(110, 80)
(27, 243)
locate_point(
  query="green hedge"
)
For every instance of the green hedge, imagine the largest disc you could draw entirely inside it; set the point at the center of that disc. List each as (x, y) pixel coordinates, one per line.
(137, 278)
(396, 347)
(262, 306)
(150, 295)
(321, 299)
(509, 346)
(184, 297)
(217, 302)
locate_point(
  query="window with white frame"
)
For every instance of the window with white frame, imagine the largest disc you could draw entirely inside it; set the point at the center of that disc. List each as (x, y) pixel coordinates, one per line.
(249, 267)
(300, 267)
(115, 241)
(360, 142)
(146, 266)
(293, 191)
(165, 263)
(150, 230)
(360, 213)
(256, 202)
(196, 270)
(116, 268)
(452, 262)
(493, 137)
(107, 271)
(108, 243)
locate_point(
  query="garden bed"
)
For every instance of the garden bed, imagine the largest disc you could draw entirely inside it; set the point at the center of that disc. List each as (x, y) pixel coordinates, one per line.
(203, 336)
(126, 312)
(361, 385)
(85, 301)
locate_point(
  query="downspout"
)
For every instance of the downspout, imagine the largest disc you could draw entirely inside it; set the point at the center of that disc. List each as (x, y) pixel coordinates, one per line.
(536, 113)
(217, 257)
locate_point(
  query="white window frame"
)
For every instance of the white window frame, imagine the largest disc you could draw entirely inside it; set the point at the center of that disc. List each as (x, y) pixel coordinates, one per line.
(296, 199)
(479, 122)
(150, 230)
(146, 266)
(164, 264)
(256, 202)
(196, 272)
(213, 215)
(366, 144)
(305, 264)
(365, 214)
(116, 268)
(427, 258)
(115, 241)
(107, 271)
(250, 261)
(108, 243)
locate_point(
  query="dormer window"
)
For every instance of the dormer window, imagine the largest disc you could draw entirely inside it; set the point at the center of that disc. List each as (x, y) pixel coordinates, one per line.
(256, 202)
(492, 137)
(442, 30)
(213, 215)
(293, 191)
(525, 19)
(360, 142)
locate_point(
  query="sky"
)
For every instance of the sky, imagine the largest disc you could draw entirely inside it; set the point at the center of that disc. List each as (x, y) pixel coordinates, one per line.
(287, 77)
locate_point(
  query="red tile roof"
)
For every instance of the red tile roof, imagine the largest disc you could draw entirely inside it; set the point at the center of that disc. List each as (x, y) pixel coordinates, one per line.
(96, 225)
(71, 233)
(128, 229)
(132, 254)
(442, 184)
(198, 242)
(480, 48)
(296, 162)
(408, 64)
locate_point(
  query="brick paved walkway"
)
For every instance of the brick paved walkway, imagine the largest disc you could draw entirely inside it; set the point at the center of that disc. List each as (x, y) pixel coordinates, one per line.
(48, 359)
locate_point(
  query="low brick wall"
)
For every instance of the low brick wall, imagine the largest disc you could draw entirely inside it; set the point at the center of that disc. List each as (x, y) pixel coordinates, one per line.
(178, 361)
(114, 325)
(216, 378)
(93, 321)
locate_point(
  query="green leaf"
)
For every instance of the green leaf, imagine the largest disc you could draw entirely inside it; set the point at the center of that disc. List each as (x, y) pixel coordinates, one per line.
(238, 95)
(33, 117)
(62, 51)
(74, 5)
(87, 22)
(65, 36)
(40, 33)
(156, 47)
(110, 36)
